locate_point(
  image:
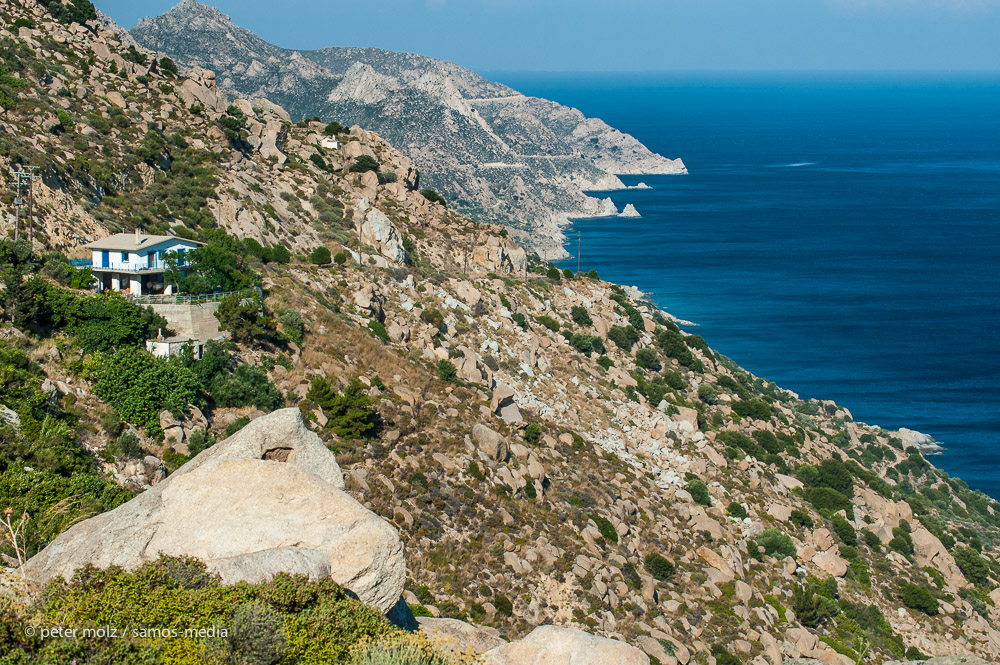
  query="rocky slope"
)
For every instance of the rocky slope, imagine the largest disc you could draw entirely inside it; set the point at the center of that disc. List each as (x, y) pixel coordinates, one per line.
(495, 155)
(552, 449)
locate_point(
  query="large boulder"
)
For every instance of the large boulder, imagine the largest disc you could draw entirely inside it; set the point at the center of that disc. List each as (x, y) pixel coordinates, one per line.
(268, 499)
(458, 637)
(548, 645)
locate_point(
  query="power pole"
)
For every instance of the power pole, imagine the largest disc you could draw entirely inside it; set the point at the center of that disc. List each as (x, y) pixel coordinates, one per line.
(467, 243)
(23, 179)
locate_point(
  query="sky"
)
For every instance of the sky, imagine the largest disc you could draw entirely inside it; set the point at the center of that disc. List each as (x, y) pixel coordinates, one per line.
(633, 35)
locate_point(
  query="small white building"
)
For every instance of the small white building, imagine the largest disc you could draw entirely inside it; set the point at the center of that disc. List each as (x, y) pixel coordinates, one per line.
(133, 263)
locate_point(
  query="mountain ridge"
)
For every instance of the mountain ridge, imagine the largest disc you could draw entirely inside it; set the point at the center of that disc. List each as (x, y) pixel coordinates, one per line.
(495, 154)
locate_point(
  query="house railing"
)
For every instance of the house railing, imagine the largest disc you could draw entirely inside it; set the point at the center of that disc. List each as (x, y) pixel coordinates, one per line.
(255, 292)
(81, 263)
(135, 267)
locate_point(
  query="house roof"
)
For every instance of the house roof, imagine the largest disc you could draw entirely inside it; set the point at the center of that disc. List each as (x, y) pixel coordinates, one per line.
(134, 242)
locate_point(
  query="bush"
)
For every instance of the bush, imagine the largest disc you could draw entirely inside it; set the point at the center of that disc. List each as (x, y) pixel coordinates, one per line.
(707, 393)
(548, 322)
(247, 386)
(901, 541)
(320, 255)
(363, 164)
(305, 621)
(624, 337)
(293, 325)
(433, 197)
(723, 656)
(699, 492)
(754, 408)
(776, 543)
(553, 274)
(586, 344)
(400, 649)
(919, 598)
(350, 412)
(872, 540)
(333, 128)
(139, 386)
(533, 434)
(378, 329)
(834, 474)
(581, 316)
(606, 528)
(826, 499)
(446, 371)
(605, 362)
(168, 66)
(737, 510)
(340, 258)
(245, 320)
(844, 530)
(659, 567)
(503, 605)
(811, 609)
(648, 359)
(973, 566)
(520, 320)
(801, 519)
(237, 425)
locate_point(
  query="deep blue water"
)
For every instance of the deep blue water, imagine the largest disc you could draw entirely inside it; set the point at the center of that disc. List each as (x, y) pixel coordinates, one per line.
(837, 234)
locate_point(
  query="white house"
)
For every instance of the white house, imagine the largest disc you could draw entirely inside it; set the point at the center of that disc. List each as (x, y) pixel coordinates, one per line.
(133, 263)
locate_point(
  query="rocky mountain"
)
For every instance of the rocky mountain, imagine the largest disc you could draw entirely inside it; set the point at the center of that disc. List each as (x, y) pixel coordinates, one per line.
(544, 464)
(495, 154)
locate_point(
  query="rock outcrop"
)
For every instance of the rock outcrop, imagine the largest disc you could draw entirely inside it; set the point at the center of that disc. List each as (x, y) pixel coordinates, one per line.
(270, 499)
(548, 645)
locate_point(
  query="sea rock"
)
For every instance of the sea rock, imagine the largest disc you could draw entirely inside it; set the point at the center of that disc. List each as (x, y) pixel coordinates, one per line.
(268, 499)
(925, 442)
(630, 211)
(552, 645)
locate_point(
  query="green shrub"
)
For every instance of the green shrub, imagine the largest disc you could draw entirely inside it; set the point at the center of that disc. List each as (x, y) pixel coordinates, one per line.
(737, 510)
(586, 344)
(801, 519)
(139, 386)
(474, 471)
(872, 540)
(293, 325)
(320, 255)
(834, 474)
(624, 337)
(581, 316)
(433, 197)
(699, 492)
(919, 598)
(349, 412)
(901, 541)
(553, 274)
(247, 386)
(340, 258)
(723, 656)
(755, 409)
(128, 445)
(237, 425)
(520, 320)
(648, 359)
(844, 530)
(333, 128)
(776, 543)
(659, 567)
(826, 499)
(198, 441)
(548, 322)
(245, 319)
(289, 617)
(363, 164)
(707, 393)
(503, 605)
(529, 489)
(377, 328)
(446, 371)
(606, 528)
(972, 565)
(605, 362)
(533, 434)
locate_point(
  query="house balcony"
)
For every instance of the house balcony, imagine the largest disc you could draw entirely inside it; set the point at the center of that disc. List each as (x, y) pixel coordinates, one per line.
(134, 268)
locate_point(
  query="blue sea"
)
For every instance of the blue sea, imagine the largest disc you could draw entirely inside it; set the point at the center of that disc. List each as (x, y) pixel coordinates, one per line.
(838, 234)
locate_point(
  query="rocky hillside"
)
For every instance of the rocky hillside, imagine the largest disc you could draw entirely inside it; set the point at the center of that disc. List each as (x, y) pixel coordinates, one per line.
(495, 154)
(550, 448)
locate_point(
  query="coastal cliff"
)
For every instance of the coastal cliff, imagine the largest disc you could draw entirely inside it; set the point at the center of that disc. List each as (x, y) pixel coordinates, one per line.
(493, 153)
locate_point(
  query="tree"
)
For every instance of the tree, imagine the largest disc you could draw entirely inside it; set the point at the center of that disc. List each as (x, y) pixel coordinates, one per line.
(332, 128)
(919, 598)
(363, 164)
(659, 567)
(350, 412)
(447, 371)
(219, 264)
(139, 385)
(533, 434)
(624, 337)
(320, 255)
(244, 318)
(973, 566)
(168, 66)
(433, 197)
(553, 274)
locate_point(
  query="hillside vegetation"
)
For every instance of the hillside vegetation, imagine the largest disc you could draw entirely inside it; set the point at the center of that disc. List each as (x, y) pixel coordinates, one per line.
(552, 448)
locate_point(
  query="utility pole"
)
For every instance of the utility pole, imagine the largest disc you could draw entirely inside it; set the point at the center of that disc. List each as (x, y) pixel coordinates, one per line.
(23, 179)
(467, 243)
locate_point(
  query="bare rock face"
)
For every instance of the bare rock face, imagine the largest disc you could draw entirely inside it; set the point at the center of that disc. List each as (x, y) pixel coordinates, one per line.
(552, 644)
(266, 500)
(456, 636)
(378, 231)
(490, 442)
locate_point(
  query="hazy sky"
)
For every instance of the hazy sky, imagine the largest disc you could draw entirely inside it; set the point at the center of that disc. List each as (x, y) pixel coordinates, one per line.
(632, 35)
